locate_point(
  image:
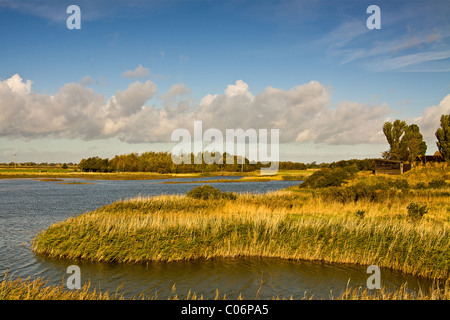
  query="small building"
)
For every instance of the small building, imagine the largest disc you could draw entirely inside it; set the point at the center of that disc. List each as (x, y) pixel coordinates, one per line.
(437, 158)
(388, 166)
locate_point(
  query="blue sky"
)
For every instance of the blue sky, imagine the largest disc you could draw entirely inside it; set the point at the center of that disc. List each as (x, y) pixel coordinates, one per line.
(175, 53)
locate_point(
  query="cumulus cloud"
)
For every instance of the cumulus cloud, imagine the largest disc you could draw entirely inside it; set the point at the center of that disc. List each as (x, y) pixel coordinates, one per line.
(303, 113)
(430, 120)
(87, 80)
(130, 101)
(139, 72)
(176, 90)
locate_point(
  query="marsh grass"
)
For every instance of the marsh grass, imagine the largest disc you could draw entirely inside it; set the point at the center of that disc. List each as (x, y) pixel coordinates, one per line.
(38, 289)
(438, 291)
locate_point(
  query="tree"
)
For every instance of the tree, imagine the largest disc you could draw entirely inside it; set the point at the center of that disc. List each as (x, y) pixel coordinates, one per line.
(394, 132)
(443, 137)
(405, 141)
(412, 144)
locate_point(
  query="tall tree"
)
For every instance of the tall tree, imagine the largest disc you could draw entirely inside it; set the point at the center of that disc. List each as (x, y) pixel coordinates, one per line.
(393, 132)
(412, 144)
(443, 137)
(405, 141)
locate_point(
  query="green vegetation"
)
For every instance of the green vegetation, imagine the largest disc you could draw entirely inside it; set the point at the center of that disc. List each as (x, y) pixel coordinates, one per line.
(372, 190)
(443, 137)
(161, 162)
(207, 192)
(405, 141)
(415, 211)
(327, 177)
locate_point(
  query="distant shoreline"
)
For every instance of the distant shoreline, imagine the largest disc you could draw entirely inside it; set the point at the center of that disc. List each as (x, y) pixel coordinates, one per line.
(33, 173)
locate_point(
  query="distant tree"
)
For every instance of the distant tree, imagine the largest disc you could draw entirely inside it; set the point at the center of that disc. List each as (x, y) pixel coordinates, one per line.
(64, 166)
(93, 164)
(443, 137)
(161, 162)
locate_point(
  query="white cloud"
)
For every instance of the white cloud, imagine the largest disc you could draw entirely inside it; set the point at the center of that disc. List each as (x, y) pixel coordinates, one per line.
(239, 88)
(16, 85)
(349, 123)
(87, 80)
(139, 72)
(409, 60)
(127, 102)
(344, 34)
(429, 121)
(178, 89)
(303, 114)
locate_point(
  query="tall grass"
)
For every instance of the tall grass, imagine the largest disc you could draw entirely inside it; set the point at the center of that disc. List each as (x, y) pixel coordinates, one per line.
(38, 289)
(27, 289)
(436, 292)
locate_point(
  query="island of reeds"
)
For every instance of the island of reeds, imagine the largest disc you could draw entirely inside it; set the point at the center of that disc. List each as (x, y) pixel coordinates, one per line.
(338, 215)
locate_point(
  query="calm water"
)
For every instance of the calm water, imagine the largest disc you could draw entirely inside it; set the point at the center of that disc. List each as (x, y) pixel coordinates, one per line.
(28, 206)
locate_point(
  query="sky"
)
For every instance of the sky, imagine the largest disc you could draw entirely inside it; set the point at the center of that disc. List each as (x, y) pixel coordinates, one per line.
(138, 70)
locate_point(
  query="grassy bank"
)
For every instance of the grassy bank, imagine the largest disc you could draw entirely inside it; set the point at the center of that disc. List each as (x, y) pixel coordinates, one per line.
(294, 224)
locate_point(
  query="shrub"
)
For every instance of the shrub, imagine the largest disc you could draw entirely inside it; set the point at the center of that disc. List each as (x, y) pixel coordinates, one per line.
(421, 185)
(363, 191)
(437, 184)
(360, 213)
(416, 212)
(206, 192)
(401, 184)
(329, 177)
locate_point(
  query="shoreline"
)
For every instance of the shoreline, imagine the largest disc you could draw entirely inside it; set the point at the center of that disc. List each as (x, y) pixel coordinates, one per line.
(253, 176)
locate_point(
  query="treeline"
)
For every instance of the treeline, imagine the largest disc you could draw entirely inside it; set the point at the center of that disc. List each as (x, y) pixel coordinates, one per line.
(161, 162)
(34, 164)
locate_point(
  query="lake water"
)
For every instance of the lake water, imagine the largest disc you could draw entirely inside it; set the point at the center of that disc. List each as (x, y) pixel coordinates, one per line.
(27, 206)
